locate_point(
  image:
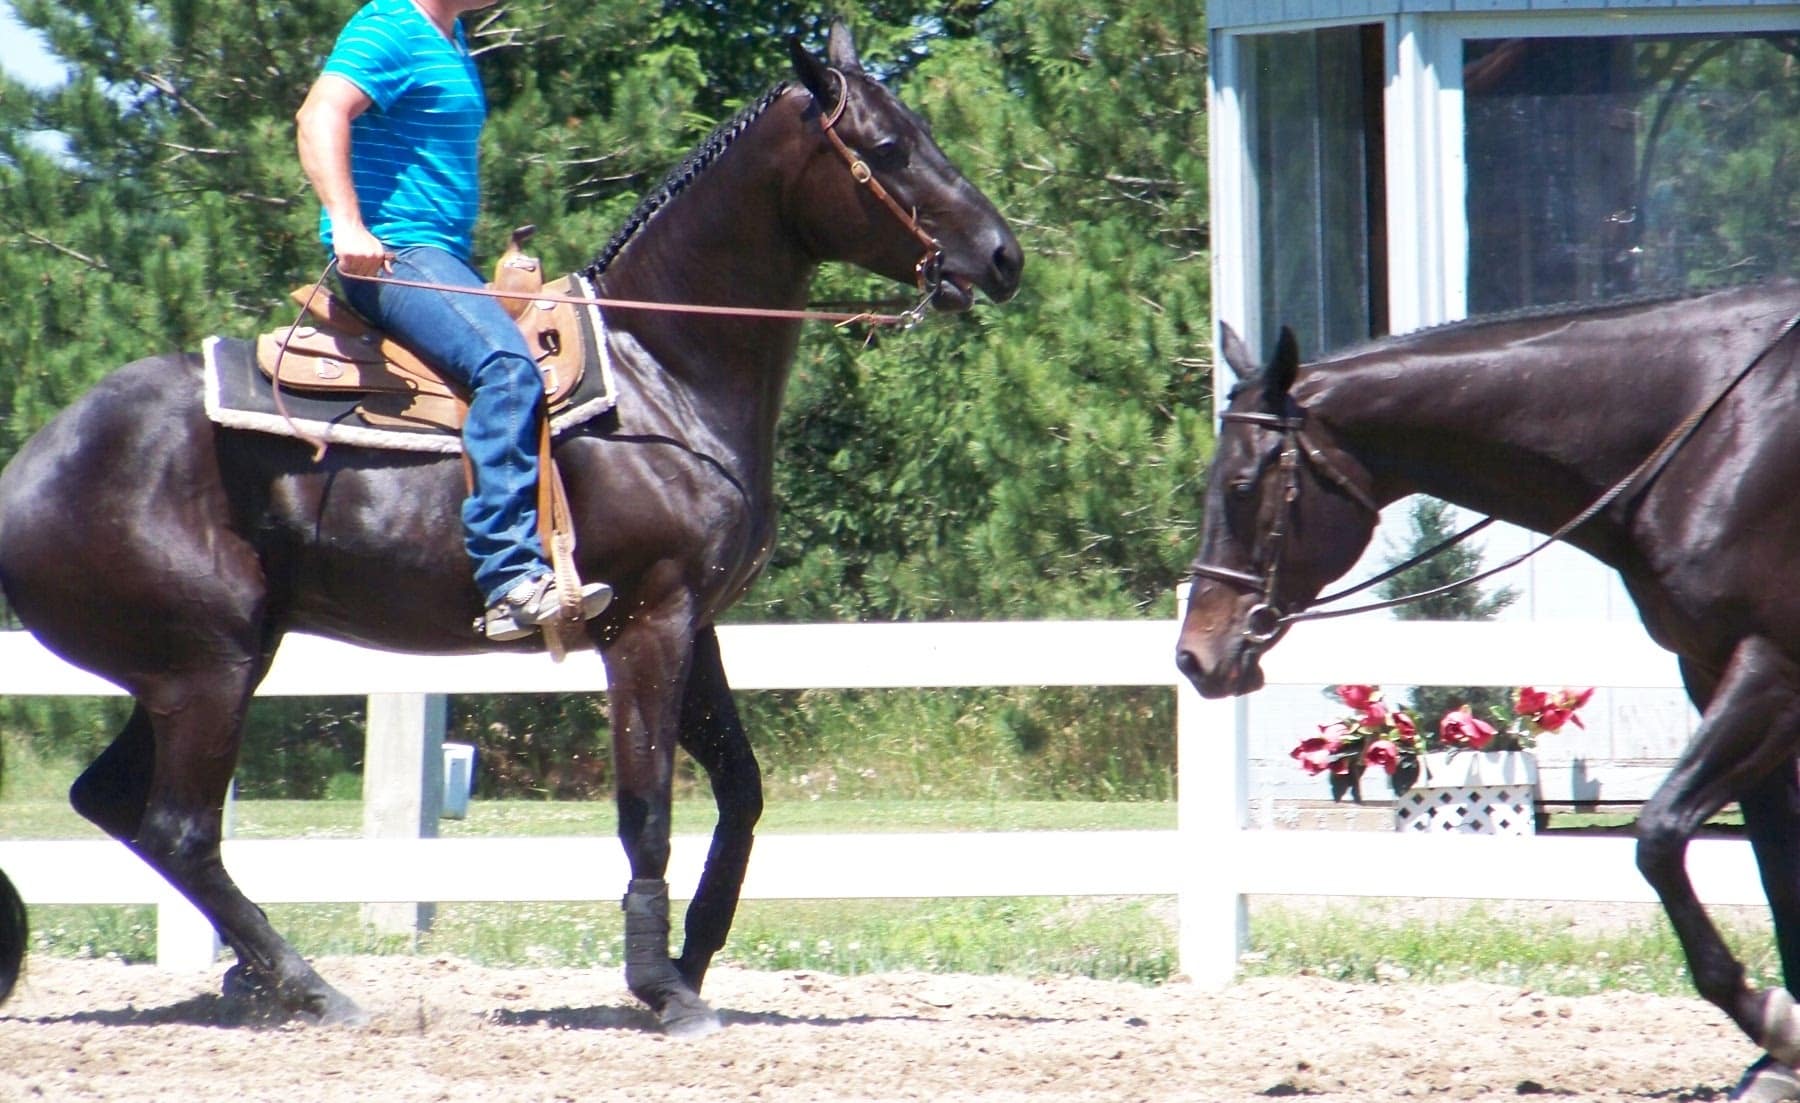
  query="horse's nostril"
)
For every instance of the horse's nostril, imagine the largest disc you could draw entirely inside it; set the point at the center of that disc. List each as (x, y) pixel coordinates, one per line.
(1008, 261)
(1187, 662)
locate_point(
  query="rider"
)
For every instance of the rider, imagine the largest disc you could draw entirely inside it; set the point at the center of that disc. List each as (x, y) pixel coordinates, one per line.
(389, 137)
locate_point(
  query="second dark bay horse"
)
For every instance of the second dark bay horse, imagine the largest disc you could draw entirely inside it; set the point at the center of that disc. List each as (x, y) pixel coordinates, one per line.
(170, 556)
(1537, 419)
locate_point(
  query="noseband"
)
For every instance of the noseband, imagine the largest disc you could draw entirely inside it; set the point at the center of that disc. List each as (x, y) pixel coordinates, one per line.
(929, 271)
(1266, 618)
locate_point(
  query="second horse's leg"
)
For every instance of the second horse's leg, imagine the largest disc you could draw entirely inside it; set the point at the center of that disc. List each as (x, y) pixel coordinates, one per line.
(1750, 730)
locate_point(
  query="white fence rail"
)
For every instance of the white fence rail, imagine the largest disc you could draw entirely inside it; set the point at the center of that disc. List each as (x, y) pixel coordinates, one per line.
(1211, 861)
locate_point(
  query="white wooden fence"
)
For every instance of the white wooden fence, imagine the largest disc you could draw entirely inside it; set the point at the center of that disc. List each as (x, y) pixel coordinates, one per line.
(1211, 861)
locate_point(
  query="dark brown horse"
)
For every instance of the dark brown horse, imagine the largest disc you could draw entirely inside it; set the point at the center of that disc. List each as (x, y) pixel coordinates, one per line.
(1534, 419)
(170, 556)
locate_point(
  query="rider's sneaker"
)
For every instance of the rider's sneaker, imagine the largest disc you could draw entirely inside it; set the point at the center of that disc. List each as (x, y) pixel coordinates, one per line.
(529, 604)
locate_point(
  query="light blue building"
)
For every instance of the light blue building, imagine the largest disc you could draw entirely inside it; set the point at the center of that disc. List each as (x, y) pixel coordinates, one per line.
(1383, 165)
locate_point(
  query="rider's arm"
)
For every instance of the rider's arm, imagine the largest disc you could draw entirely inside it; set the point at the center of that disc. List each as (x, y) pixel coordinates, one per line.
(323, 136)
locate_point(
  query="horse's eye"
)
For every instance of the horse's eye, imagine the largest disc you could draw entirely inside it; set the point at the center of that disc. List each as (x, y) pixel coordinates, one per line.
(888, 154)
(1242, 488)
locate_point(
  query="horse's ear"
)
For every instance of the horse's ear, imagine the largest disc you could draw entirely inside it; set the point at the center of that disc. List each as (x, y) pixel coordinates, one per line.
(1237, 357)
(1279, 375)
(815, 75)
(840, 48)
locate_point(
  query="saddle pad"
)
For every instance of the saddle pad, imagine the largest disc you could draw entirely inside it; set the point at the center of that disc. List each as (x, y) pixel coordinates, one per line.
(238, 395)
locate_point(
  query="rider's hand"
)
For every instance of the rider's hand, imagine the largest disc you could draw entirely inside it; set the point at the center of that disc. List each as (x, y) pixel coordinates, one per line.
(359, 252)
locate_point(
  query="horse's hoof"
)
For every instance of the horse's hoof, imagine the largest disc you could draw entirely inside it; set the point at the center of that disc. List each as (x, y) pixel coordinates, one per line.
(1780, 1034)
(688, 1016)
(242, 986)
(335, 1009)
(318, 1005)
(1767, 1081)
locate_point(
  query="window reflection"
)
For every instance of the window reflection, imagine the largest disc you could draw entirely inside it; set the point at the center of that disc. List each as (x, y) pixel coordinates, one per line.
(1314, 114)
(1607, 166)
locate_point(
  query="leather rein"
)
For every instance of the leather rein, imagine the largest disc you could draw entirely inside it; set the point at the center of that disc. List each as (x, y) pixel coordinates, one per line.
(928, 272)
(1266, 619)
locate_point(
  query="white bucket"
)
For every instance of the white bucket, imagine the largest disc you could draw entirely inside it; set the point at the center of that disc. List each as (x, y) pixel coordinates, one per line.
(459, 778)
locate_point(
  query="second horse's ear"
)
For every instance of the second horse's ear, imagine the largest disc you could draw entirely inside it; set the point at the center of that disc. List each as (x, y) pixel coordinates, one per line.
(1279, 375)
(1237, 357)
(815, 75)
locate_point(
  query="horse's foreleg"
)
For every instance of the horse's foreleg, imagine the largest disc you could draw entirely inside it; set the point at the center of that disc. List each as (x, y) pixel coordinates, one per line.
(647, 672)
(195, 752)
(713, 734)
(1749, 732)
(1772, 820)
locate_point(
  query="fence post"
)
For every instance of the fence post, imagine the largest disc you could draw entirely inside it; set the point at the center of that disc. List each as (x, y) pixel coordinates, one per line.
(1212, 777)
(403, 787)
(185, 939)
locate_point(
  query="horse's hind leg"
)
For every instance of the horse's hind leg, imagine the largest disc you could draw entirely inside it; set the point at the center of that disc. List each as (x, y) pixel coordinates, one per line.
(1749, 734)
(713, 734)
(112, 791)
(187, 752)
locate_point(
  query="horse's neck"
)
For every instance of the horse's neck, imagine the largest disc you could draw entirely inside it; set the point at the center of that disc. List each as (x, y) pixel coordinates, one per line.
(1530, 430)
(721, 241)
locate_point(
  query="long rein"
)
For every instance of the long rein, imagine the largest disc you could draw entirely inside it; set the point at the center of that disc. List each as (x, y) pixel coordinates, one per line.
(928, 273)
(1275, 620)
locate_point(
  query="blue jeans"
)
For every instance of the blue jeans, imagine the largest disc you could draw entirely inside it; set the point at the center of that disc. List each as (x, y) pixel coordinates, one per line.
(471, 339)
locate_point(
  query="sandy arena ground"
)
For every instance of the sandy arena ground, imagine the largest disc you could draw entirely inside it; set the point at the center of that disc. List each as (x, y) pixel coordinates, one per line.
(447, 1030)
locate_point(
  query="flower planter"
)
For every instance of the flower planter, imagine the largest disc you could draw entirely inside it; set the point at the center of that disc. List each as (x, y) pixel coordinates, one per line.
(1475, 792)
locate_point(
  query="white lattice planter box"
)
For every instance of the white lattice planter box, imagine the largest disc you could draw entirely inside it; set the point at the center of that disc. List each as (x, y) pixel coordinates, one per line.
(1474, 792)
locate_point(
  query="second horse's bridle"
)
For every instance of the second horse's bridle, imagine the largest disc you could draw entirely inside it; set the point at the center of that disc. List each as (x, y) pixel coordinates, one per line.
(1266, 618)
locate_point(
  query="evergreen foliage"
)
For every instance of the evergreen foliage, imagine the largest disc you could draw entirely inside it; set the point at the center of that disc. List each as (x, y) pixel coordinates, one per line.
(1037, 460)
(1433, 521)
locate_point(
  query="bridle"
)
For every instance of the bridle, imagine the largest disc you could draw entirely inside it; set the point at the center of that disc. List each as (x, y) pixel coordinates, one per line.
(928, 272)
(1266, 619)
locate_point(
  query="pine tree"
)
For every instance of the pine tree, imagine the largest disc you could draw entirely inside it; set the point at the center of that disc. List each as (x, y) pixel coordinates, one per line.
(1432, 522)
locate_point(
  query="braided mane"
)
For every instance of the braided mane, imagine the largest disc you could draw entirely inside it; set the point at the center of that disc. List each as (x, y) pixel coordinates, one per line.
(680, 177)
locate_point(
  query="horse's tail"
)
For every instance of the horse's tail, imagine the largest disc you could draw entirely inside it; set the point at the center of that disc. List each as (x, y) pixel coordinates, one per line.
(13, 932)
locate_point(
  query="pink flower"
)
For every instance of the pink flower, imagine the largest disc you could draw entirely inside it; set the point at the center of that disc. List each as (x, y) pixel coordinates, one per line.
(1403, 724)
(1315, 754)
(1461, 728)
(1358, 697)
(1375, 715)
(1383, 753)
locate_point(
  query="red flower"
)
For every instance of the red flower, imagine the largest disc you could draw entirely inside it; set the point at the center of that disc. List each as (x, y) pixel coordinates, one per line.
(1358, 697)
(1462, 728)
(1548, 713)
(1403, 724)
(1315, 754)
(1375, 715)
(1383, 753)
(1530, 701)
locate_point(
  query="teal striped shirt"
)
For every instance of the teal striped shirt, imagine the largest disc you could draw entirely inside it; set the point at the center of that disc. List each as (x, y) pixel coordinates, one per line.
(414, 155)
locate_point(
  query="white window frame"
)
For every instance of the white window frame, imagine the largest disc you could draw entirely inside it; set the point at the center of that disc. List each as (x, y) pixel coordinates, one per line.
(1427, 233)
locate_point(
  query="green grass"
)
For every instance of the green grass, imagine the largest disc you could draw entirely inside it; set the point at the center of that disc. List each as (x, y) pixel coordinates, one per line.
(1366, 944)
(1110, 938)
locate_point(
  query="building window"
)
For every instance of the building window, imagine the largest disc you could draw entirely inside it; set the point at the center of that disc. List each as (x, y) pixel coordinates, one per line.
(1314, 113)
(1607, 166)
